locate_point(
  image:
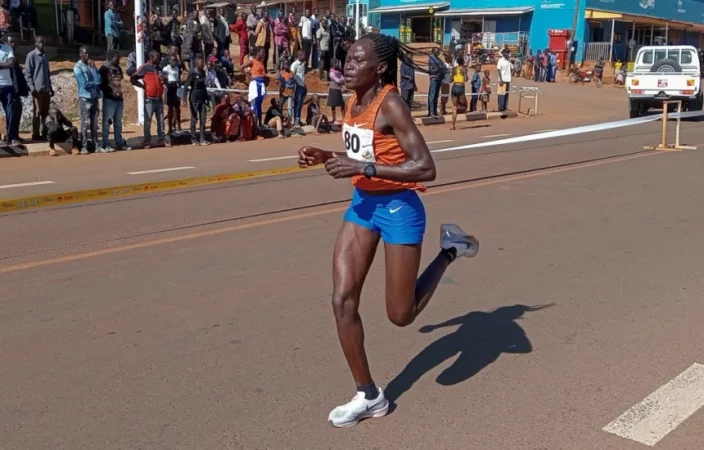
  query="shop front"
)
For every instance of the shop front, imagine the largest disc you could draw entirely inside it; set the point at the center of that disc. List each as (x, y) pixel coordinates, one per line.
(412, 23)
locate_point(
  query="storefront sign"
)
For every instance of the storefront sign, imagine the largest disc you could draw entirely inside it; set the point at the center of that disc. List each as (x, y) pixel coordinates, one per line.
(648, 4)
(552, 4)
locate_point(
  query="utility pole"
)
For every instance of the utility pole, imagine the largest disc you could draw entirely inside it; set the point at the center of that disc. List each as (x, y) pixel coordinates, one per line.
(574, 29)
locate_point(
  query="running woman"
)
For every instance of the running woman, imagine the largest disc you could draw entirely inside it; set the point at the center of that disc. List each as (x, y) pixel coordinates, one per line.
(387, 159)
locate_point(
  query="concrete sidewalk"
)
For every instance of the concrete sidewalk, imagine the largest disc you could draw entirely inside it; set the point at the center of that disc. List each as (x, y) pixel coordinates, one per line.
(42, 148)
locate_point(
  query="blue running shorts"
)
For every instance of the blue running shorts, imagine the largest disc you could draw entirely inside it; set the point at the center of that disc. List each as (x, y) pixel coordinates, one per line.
(399, 217)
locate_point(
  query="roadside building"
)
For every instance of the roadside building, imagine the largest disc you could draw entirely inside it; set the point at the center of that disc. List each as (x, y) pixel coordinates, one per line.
(612, 29)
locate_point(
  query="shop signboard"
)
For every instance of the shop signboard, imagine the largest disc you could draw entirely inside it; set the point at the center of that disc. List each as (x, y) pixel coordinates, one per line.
(682, 10)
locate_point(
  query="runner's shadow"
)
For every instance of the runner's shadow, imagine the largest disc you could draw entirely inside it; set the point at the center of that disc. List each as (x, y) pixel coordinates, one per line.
(479, 340)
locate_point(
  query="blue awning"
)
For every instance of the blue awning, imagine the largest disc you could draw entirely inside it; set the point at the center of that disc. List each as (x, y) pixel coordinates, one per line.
(518, 11)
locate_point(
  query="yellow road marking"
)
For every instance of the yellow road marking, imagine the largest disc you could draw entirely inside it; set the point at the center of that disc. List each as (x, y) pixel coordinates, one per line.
(64, 198)
(199, 234)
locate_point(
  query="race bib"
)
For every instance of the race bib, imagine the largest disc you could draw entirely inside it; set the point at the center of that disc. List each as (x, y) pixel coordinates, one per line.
(359, 143)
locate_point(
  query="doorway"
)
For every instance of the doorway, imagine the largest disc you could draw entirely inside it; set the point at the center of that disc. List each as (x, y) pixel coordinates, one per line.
(422, 29)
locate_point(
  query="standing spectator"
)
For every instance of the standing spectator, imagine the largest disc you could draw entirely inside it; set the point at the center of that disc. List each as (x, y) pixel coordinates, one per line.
(337, 32)
(113, 25)
(146, 37)
(315, 51)
(280, 38)
(299, 96)
(503, 67)
(252, 22)
(530, 63)
(5, 18)
(173, 69)
(445, 87)
(131, 64)
(476, 87)
(173, 30)
(536, 66)
(408, 84)
(306, 26)
(263, 32)
(113, 104)
(54, 130)
(198, 99)
(222, 32)
(158, 30)
(323, 38)
(150, 78)
(88, 80)
(351, 34)
(191, 44)
(436, 70)
(242, 37)
(294, 35)
(335, 99)
(485, 90)
(553, 66)
(543, 65)
(19, 84)
(206, 32)
(257, 89)
(227, 64)
(38, 78)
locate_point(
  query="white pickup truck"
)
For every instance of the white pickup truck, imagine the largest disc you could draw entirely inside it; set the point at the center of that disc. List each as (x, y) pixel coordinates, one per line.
(665, 73)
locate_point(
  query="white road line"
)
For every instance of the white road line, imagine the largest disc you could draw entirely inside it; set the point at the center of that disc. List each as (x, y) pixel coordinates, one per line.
(168, 169)
(662, 411)
(440, 142)
(544, 131)
(276, 158)
(495, 136)
(34, 183)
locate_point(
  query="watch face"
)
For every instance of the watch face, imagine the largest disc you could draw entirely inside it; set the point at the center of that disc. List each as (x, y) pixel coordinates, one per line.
(369, 171)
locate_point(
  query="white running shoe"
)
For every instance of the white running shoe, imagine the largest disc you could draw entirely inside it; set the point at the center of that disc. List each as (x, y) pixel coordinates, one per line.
(359, 408)
(452, 236)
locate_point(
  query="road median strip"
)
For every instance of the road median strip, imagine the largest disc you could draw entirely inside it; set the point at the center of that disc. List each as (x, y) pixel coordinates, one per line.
(64, 198)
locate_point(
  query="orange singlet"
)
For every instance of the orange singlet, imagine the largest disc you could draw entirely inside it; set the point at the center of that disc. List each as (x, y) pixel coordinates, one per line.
(257, 69)
(364, 143)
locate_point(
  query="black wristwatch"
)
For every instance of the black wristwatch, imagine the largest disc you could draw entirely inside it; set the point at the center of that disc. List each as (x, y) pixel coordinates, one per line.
(369, 171)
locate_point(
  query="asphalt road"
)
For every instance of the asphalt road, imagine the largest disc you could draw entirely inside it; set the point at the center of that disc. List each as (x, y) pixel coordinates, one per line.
(200, 319)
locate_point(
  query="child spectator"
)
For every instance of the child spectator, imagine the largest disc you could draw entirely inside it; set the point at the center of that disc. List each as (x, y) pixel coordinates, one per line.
(224, 117)
(227, 63)
(476, 87)
(315, 115)
(55, 132)
(275, 118)
(335, 99)
(485, 90)
(287, 86)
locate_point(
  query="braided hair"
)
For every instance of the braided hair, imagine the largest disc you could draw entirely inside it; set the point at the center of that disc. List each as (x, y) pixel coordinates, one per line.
(389, 50)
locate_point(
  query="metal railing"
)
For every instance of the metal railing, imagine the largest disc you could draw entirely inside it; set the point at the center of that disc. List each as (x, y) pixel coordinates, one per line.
(594, 51)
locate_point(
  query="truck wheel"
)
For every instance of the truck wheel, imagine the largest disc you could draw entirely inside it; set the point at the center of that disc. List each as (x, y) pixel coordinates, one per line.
(666, 66)
(634, 109)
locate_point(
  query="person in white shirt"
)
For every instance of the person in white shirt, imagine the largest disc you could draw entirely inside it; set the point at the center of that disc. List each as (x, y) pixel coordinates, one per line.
(306, 26)
(503, 67)
(299, 75)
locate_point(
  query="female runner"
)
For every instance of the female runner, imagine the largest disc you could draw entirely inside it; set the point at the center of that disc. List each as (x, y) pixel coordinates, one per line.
(387, 159)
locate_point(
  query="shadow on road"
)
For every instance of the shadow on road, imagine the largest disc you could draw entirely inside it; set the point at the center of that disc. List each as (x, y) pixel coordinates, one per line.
(480, 339)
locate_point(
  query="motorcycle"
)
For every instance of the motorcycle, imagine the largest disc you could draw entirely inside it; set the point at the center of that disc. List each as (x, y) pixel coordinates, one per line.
(584, 77)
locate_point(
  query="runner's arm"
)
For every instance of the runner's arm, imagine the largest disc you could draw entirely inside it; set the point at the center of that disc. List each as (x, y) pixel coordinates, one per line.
(420, 165)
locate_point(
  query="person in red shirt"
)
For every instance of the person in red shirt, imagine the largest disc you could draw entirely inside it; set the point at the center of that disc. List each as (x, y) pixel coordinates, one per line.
(150, 78)
(240, 28)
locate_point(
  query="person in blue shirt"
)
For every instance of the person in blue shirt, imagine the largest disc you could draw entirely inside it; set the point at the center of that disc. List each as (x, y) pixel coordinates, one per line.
(476, 87)
(408, 84)
(113, 24)
(88, 80)
(553, 66)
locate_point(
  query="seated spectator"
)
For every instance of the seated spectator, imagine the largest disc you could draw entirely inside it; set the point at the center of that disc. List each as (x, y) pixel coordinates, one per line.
(55, 132)
(248, 121)
(315, 115)
(212, 81)
(225, 123)
(275, 118)
(227, 64)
